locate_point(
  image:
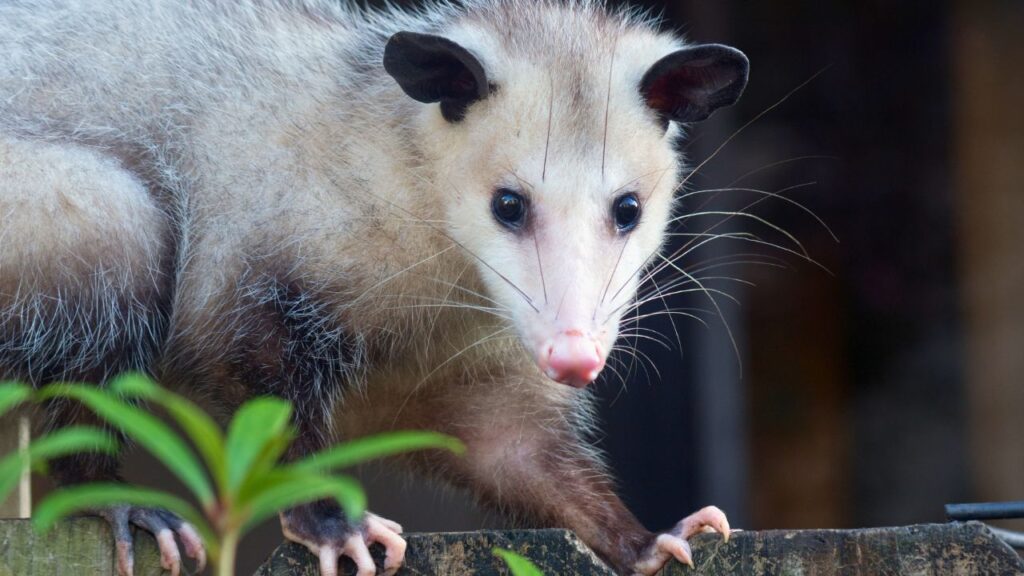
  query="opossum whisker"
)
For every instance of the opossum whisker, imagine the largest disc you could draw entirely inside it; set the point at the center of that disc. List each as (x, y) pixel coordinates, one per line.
(540, 266)
(727, 214)
(699, 289)
(776, 195)
(674, 281)
(718, 149)
(611, 365)
(715, 192)
(671, 313)
(452, 305)
(608, 104)
(456, 286)
(661, 174)
(679, 290)
(696, 241)
(654, 270)
(452, 286)
(705, 239)
(561, 302)
(494, 335)
(655, 339)
(547, 139)
(744, 209)
(749, 239)
(640, 358)
(611, 276)
(709, 293)
(746, 175)
(513, 285)
(664, 302)
(746, 125)
(395, 275)
(704, 267)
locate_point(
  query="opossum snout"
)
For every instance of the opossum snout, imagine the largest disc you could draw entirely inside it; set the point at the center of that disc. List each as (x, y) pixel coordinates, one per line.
(571, 357)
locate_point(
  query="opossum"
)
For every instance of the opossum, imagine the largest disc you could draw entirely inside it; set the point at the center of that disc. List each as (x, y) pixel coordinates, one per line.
(394, 219)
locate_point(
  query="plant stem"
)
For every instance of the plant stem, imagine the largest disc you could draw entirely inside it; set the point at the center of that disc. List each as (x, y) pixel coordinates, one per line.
(228, 546)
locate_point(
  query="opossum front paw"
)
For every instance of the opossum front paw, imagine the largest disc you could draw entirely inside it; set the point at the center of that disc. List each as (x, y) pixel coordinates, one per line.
(162, 524)
(323, 528)
(674, 542)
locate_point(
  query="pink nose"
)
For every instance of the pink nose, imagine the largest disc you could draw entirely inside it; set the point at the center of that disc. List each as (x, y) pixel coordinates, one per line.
(572, 357)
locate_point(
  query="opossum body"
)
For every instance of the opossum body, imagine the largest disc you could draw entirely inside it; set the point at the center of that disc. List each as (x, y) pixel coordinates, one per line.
(359, 211)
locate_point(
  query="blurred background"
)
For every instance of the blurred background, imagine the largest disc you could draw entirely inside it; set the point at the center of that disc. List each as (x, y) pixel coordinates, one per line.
(878, 382)
(876, 391)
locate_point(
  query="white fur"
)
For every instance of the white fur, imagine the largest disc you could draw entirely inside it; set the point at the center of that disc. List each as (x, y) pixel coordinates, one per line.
(267, 129)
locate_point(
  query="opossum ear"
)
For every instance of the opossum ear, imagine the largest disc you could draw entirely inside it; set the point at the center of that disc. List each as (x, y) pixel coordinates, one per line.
(435, 69)
(689, 84)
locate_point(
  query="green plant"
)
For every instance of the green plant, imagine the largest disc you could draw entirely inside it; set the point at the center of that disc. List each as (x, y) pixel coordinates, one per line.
(71, 440)
(518, 565)
(237, 478)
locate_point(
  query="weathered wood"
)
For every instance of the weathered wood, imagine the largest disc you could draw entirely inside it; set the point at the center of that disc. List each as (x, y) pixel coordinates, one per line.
(84, 546)
(924, 550)
(77, 547)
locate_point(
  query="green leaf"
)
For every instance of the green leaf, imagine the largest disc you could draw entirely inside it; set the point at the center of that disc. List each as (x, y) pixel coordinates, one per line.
(67, 501)
(255, 426)
(378, 446)
(289, 489)
(264, 464)
(71, 440)
(202, 430)
(12, 394)
(62, 442)
(145, 429)
(10, 472)
(518, 565)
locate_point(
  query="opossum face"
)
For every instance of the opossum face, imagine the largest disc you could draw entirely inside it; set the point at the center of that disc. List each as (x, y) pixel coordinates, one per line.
(559, 172)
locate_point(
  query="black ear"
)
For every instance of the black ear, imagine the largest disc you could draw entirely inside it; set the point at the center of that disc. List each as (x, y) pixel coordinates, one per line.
(689, 84)
(435, 69)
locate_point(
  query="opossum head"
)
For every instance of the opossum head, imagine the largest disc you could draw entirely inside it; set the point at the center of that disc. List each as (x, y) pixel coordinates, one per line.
(552, 137)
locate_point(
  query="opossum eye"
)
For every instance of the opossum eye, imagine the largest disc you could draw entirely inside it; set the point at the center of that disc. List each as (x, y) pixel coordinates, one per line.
(626, 212)
(509, 208)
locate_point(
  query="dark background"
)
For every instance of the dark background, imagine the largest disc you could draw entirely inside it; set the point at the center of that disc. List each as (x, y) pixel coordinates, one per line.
(882, 384)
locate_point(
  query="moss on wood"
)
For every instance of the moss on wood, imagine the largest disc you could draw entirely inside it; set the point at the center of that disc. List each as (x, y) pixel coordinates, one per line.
(76, 547)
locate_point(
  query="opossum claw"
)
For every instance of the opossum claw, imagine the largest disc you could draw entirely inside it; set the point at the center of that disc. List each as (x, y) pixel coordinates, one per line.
(674, 542)
(323, 529)
(163, 525)
(386, 533)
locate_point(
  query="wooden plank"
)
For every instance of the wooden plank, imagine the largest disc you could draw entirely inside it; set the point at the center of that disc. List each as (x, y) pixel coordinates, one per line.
(967, 549)
(85, 546)
(81, 546)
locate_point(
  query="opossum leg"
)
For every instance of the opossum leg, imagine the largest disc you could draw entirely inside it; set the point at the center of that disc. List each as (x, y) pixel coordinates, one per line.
(325, 530)
(83, 297)
(527, 456)
(283, 340)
